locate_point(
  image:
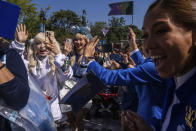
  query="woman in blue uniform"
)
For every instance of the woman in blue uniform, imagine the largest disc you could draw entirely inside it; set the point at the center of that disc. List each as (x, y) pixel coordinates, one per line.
(169, 31)
(143, 76)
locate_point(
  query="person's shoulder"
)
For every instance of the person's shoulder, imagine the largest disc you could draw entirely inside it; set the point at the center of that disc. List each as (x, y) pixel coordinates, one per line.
(5, 50)
(148, 67)
(11, 53)
(10, 50)
(149, 59)
(12, 56)
(148, 62)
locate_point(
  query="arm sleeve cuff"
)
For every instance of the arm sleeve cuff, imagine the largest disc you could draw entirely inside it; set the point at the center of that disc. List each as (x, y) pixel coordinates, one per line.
(59, 58)
(19, 47)
(134, 51)
(90, 62)
(137, 57)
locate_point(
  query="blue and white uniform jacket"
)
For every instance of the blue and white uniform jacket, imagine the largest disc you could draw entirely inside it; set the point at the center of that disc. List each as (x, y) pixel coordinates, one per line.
(180, 102)
(151, 88)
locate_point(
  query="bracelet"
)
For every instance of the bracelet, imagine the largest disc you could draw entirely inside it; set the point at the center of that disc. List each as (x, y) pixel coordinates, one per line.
(2, 66)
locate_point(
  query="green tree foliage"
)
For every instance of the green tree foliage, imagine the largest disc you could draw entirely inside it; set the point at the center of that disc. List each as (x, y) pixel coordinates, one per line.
(116, 22)
(33, 22)
(96, 29)
(61, 21)
(64, 19)
(137, 31)
(117, 30)
(28, 15)
(27, 8)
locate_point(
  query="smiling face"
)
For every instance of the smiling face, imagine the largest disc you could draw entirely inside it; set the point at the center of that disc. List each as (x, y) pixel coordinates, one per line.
(40, 46)
(79, 42)
(167, 43)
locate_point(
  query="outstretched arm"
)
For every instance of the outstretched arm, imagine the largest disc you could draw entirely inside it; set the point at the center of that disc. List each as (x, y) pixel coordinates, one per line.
(135, 53)
(19, 43)
(142, 74)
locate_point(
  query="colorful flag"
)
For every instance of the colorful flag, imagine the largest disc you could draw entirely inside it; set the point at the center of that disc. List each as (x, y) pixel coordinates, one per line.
(9, 14)
(121, 8)
(104, 31)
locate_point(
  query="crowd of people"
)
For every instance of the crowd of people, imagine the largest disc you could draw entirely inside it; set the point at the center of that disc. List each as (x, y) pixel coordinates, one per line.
(156, 81)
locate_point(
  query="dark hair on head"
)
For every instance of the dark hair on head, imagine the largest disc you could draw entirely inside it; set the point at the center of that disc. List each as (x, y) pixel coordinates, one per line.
(182, 12)
(127, 49)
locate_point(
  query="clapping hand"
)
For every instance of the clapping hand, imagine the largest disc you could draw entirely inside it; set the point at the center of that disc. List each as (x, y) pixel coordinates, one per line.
(136, 122)
(22, 33)
(67, 47)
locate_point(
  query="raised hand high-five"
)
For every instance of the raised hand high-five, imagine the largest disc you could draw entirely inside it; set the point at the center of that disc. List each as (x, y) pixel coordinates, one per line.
(90, 47)
(22, 33)
(132, 39)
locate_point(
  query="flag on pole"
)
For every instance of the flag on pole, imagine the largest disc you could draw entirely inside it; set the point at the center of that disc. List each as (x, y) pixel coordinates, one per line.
(121, 8)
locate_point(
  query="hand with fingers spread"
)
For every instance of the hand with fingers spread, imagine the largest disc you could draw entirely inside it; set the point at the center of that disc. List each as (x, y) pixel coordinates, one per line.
(52, 46)
(136, 122)
(132, 39)
(90, 47)
(67, 48)
(22, 33)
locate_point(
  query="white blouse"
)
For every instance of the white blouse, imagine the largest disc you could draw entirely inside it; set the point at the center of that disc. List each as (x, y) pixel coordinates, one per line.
(46, 79)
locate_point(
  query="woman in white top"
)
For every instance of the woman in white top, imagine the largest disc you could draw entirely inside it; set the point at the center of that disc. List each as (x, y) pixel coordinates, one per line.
(44, 64)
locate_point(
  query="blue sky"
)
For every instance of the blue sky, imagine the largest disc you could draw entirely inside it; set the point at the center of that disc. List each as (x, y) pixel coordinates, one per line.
(97, 10)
